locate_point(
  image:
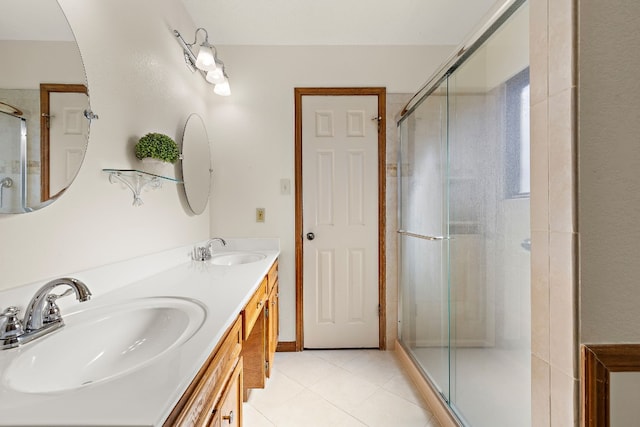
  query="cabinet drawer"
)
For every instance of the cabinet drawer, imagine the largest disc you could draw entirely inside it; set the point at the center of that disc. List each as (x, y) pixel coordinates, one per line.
(195, 407)
(254, 308)
(228, 412)
(272, 277)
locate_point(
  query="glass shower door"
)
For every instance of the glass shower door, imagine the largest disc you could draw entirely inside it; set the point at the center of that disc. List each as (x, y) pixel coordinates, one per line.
(12, 162)
(464, 229)
(424, 323)
(489, 228)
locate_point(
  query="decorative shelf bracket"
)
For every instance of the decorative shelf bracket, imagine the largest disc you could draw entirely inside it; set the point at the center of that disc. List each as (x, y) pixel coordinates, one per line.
(137, 181)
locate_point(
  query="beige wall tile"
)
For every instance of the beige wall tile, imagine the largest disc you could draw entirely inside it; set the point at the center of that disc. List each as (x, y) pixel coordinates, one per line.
(538, 50)
(562, 302)
(561, 45)
(553, 195)
(540, 167)
(540, 393)
(563, 404)
(562, 163)
(540, 295)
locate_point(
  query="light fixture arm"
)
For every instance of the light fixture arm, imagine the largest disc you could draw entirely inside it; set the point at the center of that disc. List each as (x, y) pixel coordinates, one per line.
(189, 56)
(191, 59)
(206, 39)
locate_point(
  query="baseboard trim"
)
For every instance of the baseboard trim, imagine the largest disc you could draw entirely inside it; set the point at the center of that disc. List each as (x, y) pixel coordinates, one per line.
(435, 402)
(286, 346)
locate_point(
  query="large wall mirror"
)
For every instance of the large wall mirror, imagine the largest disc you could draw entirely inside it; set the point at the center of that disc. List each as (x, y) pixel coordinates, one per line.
(43, 99)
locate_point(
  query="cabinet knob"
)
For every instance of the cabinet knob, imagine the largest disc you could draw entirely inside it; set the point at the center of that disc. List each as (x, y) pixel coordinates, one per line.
(228, 417)
(311, 236)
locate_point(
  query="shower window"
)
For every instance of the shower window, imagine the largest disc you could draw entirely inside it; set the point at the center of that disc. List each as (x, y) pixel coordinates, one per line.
(518, 136)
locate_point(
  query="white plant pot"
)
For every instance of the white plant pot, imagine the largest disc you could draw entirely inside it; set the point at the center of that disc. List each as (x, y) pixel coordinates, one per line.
(156, 167)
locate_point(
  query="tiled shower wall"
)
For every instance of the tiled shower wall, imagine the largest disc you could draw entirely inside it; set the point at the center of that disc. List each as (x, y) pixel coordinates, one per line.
(553, 214)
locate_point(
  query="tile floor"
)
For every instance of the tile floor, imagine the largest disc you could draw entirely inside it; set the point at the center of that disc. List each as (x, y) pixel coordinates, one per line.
(336, 388)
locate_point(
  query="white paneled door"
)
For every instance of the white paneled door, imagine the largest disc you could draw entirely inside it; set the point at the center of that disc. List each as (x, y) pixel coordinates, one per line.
(340, 221)
(68, 132)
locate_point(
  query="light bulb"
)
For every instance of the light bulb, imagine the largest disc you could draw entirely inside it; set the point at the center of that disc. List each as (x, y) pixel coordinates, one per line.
(216, 76)
(205, 60)
(223, 89)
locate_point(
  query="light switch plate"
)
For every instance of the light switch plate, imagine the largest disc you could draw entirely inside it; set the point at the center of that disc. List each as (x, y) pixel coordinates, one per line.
(259, 214)
(285, 186)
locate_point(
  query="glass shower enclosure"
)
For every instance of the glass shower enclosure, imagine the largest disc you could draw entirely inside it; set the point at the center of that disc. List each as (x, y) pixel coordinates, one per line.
(13, 163)
(464, 248)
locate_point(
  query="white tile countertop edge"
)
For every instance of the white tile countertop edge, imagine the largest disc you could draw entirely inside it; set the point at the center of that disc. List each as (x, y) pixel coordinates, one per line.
(146, 396)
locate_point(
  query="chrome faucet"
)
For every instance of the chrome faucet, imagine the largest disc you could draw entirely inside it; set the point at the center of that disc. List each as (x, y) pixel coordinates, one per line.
(214, 239)
(42, 315)
(203, 253)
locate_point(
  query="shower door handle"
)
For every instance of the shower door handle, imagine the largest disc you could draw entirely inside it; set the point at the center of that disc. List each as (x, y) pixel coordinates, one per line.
(422, 236)
(5, 183)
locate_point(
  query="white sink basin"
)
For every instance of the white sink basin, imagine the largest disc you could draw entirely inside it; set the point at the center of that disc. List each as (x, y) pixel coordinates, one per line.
(234, 258)
(104, 343)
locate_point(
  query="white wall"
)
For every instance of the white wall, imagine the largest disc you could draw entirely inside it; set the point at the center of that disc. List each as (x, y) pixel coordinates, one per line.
(137, 83)
(253, 132)
(609, 156)
(48, 62)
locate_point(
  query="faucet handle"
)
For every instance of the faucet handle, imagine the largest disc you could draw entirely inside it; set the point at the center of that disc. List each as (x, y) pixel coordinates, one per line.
(11, 327)
(201, 253)
(51, 312)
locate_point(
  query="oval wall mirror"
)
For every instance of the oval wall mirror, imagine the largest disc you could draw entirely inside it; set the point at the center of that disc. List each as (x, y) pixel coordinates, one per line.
(196, 163)
(44, 96)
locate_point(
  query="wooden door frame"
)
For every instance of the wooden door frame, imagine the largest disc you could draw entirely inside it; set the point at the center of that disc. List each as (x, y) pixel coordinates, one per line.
(381, 93)
(45, 113)
(597, 363)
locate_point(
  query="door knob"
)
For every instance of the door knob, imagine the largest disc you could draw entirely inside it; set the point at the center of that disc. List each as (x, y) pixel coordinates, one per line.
(311, 236)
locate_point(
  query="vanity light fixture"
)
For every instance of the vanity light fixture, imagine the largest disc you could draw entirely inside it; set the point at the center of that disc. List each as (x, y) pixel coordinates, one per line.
(206, 62)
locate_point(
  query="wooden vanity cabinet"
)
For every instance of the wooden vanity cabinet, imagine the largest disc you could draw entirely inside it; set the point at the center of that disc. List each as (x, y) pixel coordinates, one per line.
(198, 404)
(260, 332)
(241, 361)
(254, 328)
(272, 314)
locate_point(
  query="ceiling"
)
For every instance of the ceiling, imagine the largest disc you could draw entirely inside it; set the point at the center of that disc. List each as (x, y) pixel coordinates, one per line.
(338, 22)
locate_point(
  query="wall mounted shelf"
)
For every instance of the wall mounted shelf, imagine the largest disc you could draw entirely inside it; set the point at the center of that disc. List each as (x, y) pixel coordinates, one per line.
(137, 180)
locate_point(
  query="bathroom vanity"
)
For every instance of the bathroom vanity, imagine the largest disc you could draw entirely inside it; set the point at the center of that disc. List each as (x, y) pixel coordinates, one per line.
(182, 343)
(240, 362)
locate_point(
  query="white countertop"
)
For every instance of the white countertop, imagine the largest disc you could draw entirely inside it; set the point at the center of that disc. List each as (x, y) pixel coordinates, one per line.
(146, 396)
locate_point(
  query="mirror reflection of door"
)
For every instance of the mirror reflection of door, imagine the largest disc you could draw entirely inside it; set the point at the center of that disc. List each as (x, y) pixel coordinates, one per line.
(63, 132)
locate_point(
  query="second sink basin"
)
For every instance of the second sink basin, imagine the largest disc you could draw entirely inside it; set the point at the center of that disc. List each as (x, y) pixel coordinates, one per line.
(233, 258)
(103, 343)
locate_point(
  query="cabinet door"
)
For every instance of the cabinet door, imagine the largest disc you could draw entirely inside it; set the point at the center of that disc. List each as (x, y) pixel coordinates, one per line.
(215, 422)
(253, 354)
(272, 328)
(196, 405)
(229, 413)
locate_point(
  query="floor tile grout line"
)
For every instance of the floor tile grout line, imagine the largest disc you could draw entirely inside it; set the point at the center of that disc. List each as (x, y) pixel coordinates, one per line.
(412, 386)
(430, 417)
(261, 413)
